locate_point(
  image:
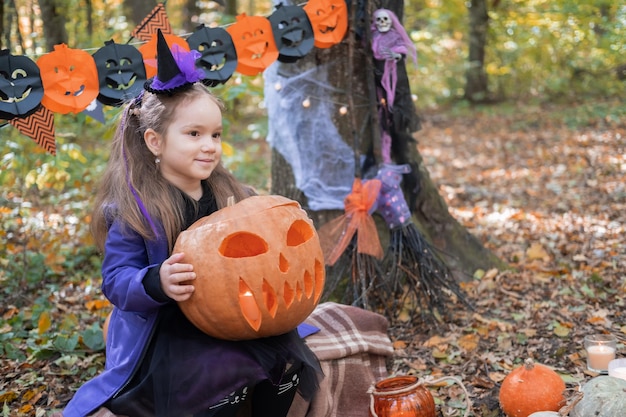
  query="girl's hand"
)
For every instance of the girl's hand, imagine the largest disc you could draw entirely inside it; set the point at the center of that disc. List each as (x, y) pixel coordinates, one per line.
(176, 277)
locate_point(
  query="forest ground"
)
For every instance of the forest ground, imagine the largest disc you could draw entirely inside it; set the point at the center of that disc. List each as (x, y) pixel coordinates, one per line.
(550, 200)
(545, 195)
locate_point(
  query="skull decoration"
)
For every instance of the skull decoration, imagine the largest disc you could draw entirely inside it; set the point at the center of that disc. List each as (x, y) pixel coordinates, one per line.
(259, 269)
(218, 54)
(292, 31)
(121, 72)
(70, 79)
(21, 89)
(383, 21)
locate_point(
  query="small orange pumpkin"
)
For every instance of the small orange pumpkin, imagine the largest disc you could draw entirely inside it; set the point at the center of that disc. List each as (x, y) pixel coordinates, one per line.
(259, 268)
(530, 388)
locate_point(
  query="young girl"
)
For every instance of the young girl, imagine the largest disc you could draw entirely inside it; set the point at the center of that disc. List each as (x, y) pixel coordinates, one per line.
(164, 173)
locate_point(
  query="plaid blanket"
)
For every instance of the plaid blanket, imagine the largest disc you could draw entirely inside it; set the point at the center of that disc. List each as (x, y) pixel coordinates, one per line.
(352, 347)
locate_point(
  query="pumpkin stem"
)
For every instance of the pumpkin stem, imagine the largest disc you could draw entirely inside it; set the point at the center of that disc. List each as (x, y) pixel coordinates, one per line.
(529, 364)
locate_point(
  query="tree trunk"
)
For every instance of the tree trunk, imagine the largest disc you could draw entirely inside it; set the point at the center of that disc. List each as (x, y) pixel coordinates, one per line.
(53, 23)
(353, 76)
(476, 77)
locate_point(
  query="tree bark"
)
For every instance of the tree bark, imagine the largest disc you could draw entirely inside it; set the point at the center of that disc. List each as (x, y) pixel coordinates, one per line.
(53, 23)
(462, 252)
(476, 77)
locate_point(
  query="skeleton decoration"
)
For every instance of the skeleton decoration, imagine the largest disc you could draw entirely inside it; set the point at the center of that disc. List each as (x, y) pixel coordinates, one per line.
(390, 43)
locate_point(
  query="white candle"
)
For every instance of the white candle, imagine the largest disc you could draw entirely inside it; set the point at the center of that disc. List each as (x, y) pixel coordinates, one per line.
(618, 372)
(599, 356)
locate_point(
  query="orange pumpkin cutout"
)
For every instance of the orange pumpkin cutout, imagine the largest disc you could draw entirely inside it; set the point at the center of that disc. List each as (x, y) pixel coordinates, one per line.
(259, 269)
(254, 42)
(329, 19)
(149, 51)
(70, 79)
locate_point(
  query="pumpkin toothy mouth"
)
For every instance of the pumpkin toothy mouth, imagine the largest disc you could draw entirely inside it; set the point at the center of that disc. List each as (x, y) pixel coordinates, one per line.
(121, 87)
(76, 93)
(15, 99)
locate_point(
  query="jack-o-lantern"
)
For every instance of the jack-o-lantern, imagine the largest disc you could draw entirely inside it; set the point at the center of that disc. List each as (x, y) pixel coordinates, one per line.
(218, 57)
(292, 31)
(254, 42)
(149, 51)
(21, 89)
(329, 19)
(259, 269)
(70, 79)
(121, 72)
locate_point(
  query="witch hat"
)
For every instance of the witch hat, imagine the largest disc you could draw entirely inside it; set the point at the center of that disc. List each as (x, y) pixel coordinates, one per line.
(176, 68)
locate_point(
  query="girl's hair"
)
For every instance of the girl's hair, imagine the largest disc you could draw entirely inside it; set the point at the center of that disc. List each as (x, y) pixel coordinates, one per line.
(132, 169)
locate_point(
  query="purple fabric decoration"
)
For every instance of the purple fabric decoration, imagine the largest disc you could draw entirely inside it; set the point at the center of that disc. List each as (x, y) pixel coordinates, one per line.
(391, 202)
(188, 74)
(386, 46)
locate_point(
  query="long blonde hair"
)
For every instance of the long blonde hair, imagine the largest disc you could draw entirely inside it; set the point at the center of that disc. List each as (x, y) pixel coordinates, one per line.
(132, 179)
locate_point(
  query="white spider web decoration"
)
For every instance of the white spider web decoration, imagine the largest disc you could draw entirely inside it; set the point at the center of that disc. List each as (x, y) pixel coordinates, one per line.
(323, 164)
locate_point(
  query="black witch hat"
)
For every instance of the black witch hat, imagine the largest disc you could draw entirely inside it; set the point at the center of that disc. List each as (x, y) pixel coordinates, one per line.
(176, 68)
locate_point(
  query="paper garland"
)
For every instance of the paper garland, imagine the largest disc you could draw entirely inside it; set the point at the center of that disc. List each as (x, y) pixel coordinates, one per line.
(72, 78)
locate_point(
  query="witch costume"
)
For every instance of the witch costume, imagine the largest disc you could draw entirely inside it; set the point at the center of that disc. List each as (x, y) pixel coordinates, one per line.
(157, 362)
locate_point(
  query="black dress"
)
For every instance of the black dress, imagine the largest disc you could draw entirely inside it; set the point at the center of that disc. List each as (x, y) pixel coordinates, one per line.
(185, 372)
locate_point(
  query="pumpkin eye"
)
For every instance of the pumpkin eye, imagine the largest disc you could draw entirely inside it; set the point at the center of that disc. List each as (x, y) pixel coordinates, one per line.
(243, 245)
(125, 62)
(18, 73)
(111, 63)
(299, 232)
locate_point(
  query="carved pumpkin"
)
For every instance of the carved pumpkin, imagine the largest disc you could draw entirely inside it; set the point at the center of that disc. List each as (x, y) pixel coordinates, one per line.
(292, 31)
(259, 269)
(603, 396)
(121, 72)
(529, 388)
(21, 89)
(329, 19)
(218, 54)
(149, 51)
(70, 79)
(254, 42)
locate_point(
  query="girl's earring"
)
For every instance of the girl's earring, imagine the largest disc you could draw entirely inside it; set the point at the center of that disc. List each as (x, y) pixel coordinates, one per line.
(157, 161)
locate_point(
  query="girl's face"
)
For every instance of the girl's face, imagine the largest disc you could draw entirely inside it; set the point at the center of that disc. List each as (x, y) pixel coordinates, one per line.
(191, 147)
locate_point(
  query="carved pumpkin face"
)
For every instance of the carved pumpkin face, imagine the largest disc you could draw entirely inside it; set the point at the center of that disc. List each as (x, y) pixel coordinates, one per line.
(70, 79)
(121, 72)
(218, 54)
(259, 269)
(21, 89)
(292, 31)
(254, 42)
(149, 51)
(329, 19)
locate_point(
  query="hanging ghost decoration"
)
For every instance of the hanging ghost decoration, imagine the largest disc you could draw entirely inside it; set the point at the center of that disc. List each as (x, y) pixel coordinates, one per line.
(254, 42)
(292, 31)
(121, 72)
(21, 88)
(149, 51)
(390, 43)
(218, 57)
(70, 79)
(329, 19)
